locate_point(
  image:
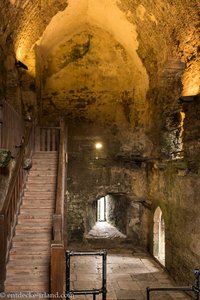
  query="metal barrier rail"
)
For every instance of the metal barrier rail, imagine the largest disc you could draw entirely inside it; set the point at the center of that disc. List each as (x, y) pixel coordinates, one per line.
(194, 288)
(93, 292)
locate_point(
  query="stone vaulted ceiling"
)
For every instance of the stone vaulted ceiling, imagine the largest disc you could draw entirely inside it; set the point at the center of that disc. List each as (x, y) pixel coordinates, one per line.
(91, 64)
(116, 63)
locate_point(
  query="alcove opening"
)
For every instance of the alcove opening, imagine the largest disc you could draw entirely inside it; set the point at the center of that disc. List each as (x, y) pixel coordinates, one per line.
(108, 217)
(159, 236)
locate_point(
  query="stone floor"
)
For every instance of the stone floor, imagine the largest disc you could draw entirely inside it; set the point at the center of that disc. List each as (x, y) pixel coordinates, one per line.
(129, 272)
(104, 230)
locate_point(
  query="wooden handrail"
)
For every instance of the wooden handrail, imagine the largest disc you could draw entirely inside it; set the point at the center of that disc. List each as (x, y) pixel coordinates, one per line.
(11, 205)
(60, 194)
(58, 218)
(57, 246)
(17, 168)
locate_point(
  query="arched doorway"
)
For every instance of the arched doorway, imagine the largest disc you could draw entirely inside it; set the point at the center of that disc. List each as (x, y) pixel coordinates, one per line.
(110, 220)
(159, 236)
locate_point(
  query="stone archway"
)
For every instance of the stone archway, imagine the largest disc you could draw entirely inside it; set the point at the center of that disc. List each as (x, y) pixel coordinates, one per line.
(159, 236)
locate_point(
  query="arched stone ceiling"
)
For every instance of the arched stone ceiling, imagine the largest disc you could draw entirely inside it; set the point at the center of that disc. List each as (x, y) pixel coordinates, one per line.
(91, 66)
(164, 28)
(104, 15)
(82, 79)
(25, 21)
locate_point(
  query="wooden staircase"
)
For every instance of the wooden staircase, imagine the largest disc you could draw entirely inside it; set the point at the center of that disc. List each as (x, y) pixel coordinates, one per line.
(29, 258)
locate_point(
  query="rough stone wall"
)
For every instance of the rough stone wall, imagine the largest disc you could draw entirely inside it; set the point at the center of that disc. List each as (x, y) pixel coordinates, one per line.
(174, 186)
(172, 26)
(21, 25)
(118, 207)
(25, 22)
(192, 129)
(92, 175)
(167, 31)
(9, 76)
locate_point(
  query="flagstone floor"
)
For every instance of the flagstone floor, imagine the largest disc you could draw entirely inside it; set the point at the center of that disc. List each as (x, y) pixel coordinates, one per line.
(129, 272)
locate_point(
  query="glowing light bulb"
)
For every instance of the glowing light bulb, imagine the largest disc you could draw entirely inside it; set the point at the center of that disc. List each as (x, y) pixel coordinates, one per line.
(98, 145)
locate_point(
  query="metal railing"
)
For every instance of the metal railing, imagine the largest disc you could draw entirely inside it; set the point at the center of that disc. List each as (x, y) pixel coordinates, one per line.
(94, 292)
(194, 288)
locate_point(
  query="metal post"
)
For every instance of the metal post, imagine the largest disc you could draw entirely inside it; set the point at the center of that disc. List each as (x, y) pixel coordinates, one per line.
(148, 293)
(196, 283)
(68, 275)
(93, 292)
(104, 275)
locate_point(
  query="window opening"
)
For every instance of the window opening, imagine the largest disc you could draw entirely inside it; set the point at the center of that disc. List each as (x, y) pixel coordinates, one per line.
(101, 209)
(159, 236)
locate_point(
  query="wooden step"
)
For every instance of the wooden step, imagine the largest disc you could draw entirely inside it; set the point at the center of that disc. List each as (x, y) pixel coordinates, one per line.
(45, 160)
(30, 263)
(32, 217)
(38, 193)
(32, 231)
(34, 222)
(27, 235)
(35, 211)
(41, 180)
(22, 244)
(45, 154)
(27, 256)
(40, 170)
(22, 288)
(48, 185)
(43, 173)
(28, 270)
(36, 240)
(33, 278)
(40, 186)
(38, 205)
(44, 163)
(33, 226)
(36, 198)
(37, 202)
(37, 288)
(44, 167)
(35, 249)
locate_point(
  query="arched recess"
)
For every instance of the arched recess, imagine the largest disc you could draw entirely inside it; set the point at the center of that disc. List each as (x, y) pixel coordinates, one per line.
(111, 209)
(159, 236)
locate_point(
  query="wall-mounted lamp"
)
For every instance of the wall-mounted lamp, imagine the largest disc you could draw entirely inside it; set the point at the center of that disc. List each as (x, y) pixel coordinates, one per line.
(20, 64)
(98, 145)
(186, 98)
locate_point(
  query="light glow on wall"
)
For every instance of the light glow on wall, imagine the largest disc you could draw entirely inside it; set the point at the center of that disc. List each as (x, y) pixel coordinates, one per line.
(182, 129)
